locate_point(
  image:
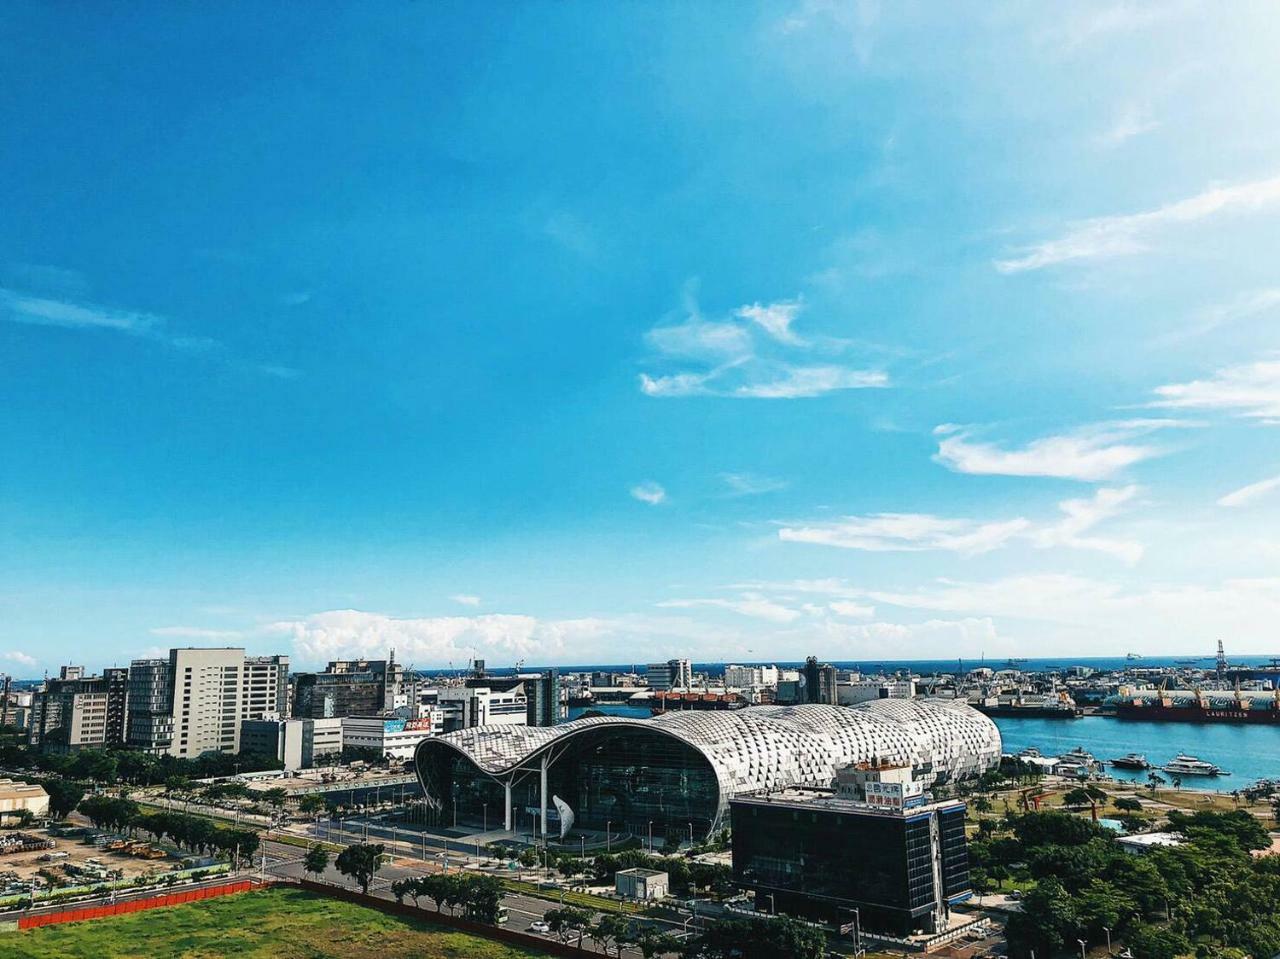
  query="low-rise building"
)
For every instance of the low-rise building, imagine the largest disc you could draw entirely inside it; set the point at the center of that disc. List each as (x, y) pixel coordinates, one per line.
(468, 706)
(1144, 842)
(394, 739)
(16, 796)
(641, 883)
(298, 743)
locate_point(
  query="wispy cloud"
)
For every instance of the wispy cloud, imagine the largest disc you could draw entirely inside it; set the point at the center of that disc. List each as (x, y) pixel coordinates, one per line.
(753, 354)
(195, 632)
(19, 307)
(649, 492)
(1092, 453)
(923, 532)
(775, 319)
(1246, 306)
(1129, 123)
(1082, 515)
(571, 233)
(1248, 494)
(1250, 390)
(465, 599)
(748, 604)
(907, 532)
(747, 484)
(19, 657)
(1110, 236)
(851, 610)
(1095, 22)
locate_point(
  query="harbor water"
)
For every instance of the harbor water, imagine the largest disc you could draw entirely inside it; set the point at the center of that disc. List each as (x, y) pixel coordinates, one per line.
(1248, 753)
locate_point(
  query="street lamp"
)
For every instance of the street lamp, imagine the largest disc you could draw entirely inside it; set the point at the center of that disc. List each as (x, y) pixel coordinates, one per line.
(650, 836)
(773, 908)
(608, 824)
(690, 833)
(1081, 941)
(1108, 932)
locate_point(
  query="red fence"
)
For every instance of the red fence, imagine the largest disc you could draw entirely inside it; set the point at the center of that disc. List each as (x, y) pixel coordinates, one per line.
(134, 905)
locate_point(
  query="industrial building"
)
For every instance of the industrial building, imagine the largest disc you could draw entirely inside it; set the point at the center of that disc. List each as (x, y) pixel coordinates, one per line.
(874, 851)
(360, 687)
(673, 776)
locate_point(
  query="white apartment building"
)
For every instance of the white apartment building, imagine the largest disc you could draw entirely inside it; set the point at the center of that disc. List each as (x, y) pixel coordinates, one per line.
(750, 677)
(395, 739)
(865, 690)
(466, 706)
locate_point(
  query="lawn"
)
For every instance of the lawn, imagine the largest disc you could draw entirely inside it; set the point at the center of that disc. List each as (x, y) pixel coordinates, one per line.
(280, 923)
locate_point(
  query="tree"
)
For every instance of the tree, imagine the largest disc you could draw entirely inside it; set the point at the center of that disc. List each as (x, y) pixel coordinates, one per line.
(64, 796)
(1157, 942)
(482, 896)
(1048, 918)
(275, 797)
(361, 862)
(653, 943)
(1078, 797)
(1128, 804)
(311, 804)
(607, 931)
(316, 861)
(566, 921)
(758, 939)
(1154, 780)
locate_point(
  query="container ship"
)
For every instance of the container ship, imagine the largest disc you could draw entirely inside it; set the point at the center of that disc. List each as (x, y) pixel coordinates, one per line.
(663, 702)
(1195, 706)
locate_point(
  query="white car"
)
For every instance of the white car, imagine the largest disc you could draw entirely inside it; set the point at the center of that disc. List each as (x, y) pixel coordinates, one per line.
(539, 925)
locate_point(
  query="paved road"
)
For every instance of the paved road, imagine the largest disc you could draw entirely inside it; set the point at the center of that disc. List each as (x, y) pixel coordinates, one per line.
(285, 861)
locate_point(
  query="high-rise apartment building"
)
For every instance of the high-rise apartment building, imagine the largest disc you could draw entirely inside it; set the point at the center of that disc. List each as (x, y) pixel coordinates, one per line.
(77, 711)
(819, 682)
(196, 701)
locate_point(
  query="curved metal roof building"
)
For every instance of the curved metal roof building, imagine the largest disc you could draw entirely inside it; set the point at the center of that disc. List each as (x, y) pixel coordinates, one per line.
(680, 769)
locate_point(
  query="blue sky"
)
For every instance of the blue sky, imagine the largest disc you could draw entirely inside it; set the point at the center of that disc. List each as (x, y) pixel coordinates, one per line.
(608, 332)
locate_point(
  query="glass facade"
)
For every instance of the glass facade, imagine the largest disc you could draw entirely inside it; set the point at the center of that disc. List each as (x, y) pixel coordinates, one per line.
(820, 862)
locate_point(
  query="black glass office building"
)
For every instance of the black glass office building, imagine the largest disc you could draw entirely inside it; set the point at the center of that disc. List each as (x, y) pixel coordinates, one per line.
(823, 858)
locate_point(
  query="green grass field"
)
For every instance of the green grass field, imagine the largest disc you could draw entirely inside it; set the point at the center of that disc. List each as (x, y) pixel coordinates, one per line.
(282, 923)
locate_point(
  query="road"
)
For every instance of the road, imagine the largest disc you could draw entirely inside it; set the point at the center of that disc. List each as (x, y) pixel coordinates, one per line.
(285, 861)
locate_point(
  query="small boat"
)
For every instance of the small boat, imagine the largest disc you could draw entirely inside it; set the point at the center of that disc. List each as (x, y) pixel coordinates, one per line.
(1184, 765)
(1131, 761)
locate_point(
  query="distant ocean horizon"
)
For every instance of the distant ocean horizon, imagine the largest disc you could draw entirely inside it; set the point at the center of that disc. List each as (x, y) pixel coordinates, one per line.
(923, 666)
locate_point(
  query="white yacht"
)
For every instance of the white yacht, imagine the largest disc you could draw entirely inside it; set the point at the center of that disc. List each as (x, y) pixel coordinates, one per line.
(1183, 765)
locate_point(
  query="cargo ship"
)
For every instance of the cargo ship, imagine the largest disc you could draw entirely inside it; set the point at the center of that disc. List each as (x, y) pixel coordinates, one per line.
(1029, 706)
(1198, 707)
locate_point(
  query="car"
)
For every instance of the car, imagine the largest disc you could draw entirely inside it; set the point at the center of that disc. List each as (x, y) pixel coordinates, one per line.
(1015, 894)
(540, 925)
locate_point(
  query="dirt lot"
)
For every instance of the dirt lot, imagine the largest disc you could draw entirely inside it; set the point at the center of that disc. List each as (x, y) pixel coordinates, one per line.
(28, 864)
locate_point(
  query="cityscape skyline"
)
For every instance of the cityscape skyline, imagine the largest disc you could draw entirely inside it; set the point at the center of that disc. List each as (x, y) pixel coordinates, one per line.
(872, 333)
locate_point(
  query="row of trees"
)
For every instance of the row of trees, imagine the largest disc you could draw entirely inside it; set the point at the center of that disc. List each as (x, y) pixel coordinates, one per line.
(478, 896)
(130, 765)
(1209, 890)
(193, 833)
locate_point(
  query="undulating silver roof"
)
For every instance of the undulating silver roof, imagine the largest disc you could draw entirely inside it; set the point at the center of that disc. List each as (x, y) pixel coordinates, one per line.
(769, 747)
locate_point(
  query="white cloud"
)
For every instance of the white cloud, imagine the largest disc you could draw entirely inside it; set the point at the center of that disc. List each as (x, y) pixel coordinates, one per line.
(1109, 236)
(747, 484)
(775, 319)
(918, 532)
(1089, 454)
(38, 311)
(748, 604)
(907, 532)
(1083, 515)
(17, 656)
(1096, 616)
(649, 492)
(466, 599)
(851, 610)
(195, 632)
(738, 363)
(1251, 390)
(17, 307)
(1254, 491)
